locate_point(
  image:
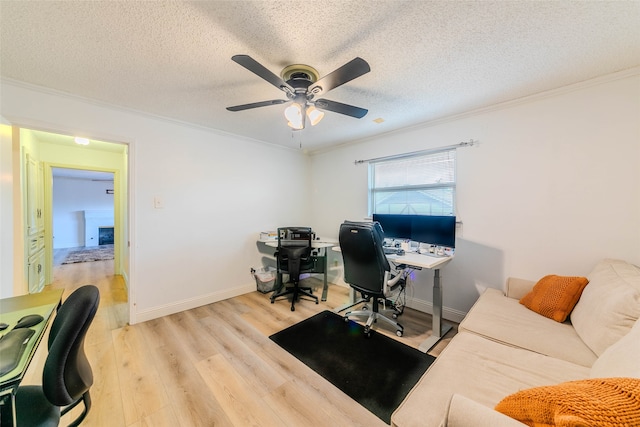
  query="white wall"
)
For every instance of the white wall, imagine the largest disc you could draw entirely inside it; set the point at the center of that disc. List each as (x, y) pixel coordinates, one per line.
(219, 192)
(553, 187)
(71, 197)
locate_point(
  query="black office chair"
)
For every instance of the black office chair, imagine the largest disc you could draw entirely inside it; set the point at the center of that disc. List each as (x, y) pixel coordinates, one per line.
(294, 257)
(67, 375)
(367, 270)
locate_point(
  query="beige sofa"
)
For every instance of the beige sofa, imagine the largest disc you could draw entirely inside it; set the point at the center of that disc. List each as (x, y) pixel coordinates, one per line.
(502, 347)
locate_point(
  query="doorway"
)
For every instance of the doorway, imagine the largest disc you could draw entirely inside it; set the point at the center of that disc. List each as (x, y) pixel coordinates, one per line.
(82, 215)
(99, 172)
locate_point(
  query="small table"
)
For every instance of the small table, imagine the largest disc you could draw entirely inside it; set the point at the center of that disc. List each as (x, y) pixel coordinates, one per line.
(12, 310)
(321, 267)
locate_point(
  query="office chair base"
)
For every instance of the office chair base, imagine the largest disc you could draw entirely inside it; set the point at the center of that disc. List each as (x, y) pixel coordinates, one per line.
(372, 317)
(297, 292)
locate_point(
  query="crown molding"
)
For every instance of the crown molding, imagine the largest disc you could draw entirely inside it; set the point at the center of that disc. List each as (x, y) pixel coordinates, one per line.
(102, 104)
(631, 72)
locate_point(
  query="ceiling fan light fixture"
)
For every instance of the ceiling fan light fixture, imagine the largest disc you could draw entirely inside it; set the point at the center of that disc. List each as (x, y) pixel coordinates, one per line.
(294, 115)
(301, 85)
(314, 115)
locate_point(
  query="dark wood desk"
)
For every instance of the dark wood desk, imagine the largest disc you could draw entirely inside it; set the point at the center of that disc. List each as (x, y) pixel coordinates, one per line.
(11, 310)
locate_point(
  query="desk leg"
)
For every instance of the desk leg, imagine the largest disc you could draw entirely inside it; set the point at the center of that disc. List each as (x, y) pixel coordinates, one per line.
(439, 329)
(325, 288)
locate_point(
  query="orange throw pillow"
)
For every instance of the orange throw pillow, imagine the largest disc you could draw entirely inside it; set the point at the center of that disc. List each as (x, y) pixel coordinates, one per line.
(555, 296)
(605, 402)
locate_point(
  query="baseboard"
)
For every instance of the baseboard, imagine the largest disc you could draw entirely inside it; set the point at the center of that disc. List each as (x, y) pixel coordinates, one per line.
(188, 304)
(427, 307)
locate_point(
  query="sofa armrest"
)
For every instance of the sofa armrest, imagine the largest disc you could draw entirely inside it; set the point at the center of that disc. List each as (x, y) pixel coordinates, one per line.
(464, 412)
(517, 288)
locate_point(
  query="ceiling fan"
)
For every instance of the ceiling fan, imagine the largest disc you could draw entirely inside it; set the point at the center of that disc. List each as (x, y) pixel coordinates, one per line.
(302, 86)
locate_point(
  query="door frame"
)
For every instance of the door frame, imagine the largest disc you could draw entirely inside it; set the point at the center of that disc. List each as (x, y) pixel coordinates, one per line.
(118, 215)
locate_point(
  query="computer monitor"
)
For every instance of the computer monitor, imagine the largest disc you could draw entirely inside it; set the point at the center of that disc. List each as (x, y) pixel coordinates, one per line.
(434, 230)
(395, 226)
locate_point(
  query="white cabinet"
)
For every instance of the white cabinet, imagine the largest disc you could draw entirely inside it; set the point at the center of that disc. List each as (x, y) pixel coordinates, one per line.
(33, 196)
(34, 233)
(35, 272)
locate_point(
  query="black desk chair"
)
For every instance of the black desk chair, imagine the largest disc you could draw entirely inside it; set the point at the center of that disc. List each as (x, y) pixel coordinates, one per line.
(367, 270)
(294, 257)
(67, 374)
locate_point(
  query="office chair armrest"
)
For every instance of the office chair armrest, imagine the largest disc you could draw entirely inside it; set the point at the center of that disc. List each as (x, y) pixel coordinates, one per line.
(389, 283)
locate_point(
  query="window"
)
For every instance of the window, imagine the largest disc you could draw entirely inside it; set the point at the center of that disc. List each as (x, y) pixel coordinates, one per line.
(416, 185)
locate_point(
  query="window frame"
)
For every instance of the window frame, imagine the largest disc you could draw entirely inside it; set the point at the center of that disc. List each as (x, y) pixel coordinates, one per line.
(372, 190)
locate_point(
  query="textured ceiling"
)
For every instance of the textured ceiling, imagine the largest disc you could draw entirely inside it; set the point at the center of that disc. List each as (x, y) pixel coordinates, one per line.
(429, 59)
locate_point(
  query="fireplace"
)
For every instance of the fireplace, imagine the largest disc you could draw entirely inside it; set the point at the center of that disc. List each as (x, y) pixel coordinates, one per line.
(105, 235)
(96, 224)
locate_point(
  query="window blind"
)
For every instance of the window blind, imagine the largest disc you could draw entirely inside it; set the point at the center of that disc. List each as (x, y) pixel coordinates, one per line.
(417, 185)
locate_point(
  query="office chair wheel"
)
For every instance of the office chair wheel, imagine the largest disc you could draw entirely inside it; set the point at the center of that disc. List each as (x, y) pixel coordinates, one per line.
(367, 332)
(399, 333)
(394, 315)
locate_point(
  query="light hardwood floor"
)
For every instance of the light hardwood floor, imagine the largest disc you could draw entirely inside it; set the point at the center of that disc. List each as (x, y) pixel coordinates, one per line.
(209, 366)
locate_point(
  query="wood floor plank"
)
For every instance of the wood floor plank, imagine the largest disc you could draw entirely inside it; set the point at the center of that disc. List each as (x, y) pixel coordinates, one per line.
(188, 331)
(294, 408)
(105, 389)
(250, 364)
(140, 382)
(164, 417)
(242, 404)
(193, 402)
(343, 410)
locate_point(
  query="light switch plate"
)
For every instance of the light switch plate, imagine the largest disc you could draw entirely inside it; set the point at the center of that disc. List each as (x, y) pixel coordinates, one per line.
(158, 203)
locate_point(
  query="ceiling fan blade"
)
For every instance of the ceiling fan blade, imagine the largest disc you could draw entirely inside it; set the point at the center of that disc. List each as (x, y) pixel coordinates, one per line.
(255, 67)
(338, 107)
(257, 104)
(349, 71)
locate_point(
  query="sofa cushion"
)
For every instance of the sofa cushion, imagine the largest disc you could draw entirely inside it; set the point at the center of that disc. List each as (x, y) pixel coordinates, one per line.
(465, 412)
(503, 319)
(621, 359)
(609, 305)
(597, 401)
(518, 288)
(555, 296)
(483, 370)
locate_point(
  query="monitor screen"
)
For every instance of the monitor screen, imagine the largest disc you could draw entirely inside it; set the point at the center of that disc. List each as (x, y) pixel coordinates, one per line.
(394, 226)
(434, 230)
